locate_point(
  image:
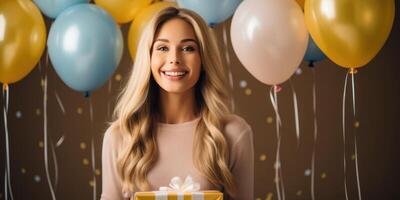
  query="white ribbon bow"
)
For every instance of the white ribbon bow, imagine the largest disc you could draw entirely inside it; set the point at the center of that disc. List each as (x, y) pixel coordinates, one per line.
(176, 185)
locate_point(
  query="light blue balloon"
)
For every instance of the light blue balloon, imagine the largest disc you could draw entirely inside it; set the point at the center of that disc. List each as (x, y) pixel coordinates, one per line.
(212, 11)
(85, 46)
(313, 53)
(52, 8)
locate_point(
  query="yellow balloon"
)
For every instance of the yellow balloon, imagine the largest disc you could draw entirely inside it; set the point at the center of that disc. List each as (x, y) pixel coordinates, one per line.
(22, 39)
(140, 22)
(301, 3)
(350, 32)
(123, 11)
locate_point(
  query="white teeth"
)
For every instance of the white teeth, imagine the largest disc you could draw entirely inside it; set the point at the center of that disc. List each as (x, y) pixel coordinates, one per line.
(174, 73)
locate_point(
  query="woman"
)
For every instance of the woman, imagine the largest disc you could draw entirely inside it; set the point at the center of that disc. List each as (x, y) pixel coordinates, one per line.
(173, 117)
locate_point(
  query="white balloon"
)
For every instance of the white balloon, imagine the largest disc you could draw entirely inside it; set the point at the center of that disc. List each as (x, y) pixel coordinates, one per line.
(270, 38)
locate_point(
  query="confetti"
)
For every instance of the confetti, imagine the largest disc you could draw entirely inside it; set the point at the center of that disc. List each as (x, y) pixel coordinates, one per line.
(263, 157)
(97, 172)
(18, 114)
(243, 84)
(118, 77)
(258, 198)
(79, 110)
(85, 161)
(82, 145)
(269, 196)
(299, 71)
(23, 170)
(353, 157)
(323, 175)
(299, 192)
(307, 172)
(356, 124)
(41, 144)
(38, 111)
(37, 178)
(270, 120)
(91, 183)
(247, 91)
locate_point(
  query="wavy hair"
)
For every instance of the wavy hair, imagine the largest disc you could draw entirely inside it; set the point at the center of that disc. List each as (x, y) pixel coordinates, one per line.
(136, 112)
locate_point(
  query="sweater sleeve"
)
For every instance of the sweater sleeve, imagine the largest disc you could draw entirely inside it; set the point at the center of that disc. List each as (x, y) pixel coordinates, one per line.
(111, 183)
(243, 165)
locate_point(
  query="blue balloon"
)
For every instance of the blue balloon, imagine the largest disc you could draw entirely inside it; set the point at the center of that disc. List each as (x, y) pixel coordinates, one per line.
(212, 11)
(313, 53)
(85, 46)
(52, 8)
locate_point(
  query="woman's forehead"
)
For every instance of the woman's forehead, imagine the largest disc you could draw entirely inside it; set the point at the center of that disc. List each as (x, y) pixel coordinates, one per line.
(176, 30)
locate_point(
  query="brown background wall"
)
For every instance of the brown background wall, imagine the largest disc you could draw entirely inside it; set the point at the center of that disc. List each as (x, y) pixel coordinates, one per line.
(377, 96)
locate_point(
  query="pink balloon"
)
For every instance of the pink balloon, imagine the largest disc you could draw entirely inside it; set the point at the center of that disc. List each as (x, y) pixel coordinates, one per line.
(270, 38)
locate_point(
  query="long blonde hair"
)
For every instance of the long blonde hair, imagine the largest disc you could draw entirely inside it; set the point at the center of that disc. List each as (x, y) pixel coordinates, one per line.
(136, 112)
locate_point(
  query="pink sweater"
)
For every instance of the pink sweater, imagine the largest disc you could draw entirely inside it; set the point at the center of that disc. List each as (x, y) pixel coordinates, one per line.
(175, 158)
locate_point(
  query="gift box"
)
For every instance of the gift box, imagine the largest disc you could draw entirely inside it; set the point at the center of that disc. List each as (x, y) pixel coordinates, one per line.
(169, 195)
(188, 190)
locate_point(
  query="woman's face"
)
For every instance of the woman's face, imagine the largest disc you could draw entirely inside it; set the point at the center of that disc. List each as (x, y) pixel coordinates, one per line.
(175, 57)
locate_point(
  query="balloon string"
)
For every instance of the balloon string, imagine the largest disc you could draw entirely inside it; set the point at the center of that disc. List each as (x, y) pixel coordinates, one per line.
(296, 113)
(109, 92)
(45, 152)
(355, 136)
(7, 175)
(93, 150)
(315, 136)
(278, 171)
(344, 135)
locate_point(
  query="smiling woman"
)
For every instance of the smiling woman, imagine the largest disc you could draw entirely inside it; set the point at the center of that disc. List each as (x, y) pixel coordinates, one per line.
(173, 117)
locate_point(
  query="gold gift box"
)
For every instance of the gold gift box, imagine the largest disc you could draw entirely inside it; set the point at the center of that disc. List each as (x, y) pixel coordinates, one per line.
(207, 195)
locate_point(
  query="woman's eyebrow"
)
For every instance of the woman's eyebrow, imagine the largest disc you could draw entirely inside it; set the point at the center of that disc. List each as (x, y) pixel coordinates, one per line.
(182, 41)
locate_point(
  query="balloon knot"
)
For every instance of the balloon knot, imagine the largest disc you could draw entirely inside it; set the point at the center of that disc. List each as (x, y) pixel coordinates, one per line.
(353, 71)
(5, 87)
(311, 64)
(87, 94)
(277, 88)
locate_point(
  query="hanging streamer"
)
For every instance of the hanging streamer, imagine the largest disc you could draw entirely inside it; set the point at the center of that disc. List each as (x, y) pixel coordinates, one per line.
(7, 175)
(278, 166)
(228, 61)
(315, 136)
(352, 72)
(344, 136)
(296, 113)
(93, 150)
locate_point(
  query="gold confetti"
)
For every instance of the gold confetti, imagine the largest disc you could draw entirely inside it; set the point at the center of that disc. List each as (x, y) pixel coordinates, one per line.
(82, 145)
(247, 91)
(97, 172)
(270, 120)
(85, 161)
(353, 157)
(356, 124)
(91, 183)
(299, 192)
(42, 83)
(41, 144)
(269, 196)
(23, 170)
(258, 198)
(263, 157)
(38, 112)
(323, 175)
(79, 110)
(118, 77)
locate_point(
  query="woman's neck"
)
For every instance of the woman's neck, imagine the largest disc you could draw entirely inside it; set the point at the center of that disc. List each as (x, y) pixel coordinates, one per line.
(177, 107)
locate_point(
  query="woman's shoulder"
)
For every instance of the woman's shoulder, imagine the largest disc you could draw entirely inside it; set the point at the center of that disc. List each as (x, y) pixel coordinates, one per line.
(236, 127)
(112, 135)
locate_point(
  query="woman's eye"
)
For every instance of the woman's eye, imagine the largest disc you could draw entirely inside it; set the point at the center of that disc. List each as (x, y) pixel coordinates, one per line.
(162, 48)
(188, 48)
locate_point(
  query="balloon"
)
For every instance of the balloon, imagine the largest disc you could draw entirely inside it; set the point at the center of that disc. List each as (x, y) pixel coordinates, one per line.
(140, 23)
(22, 39)
(301, 3)
(270, 41)
(350, 33)
(52, 8)
(85, 46)
(212, 11)
(123, 11)
(313, 53)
